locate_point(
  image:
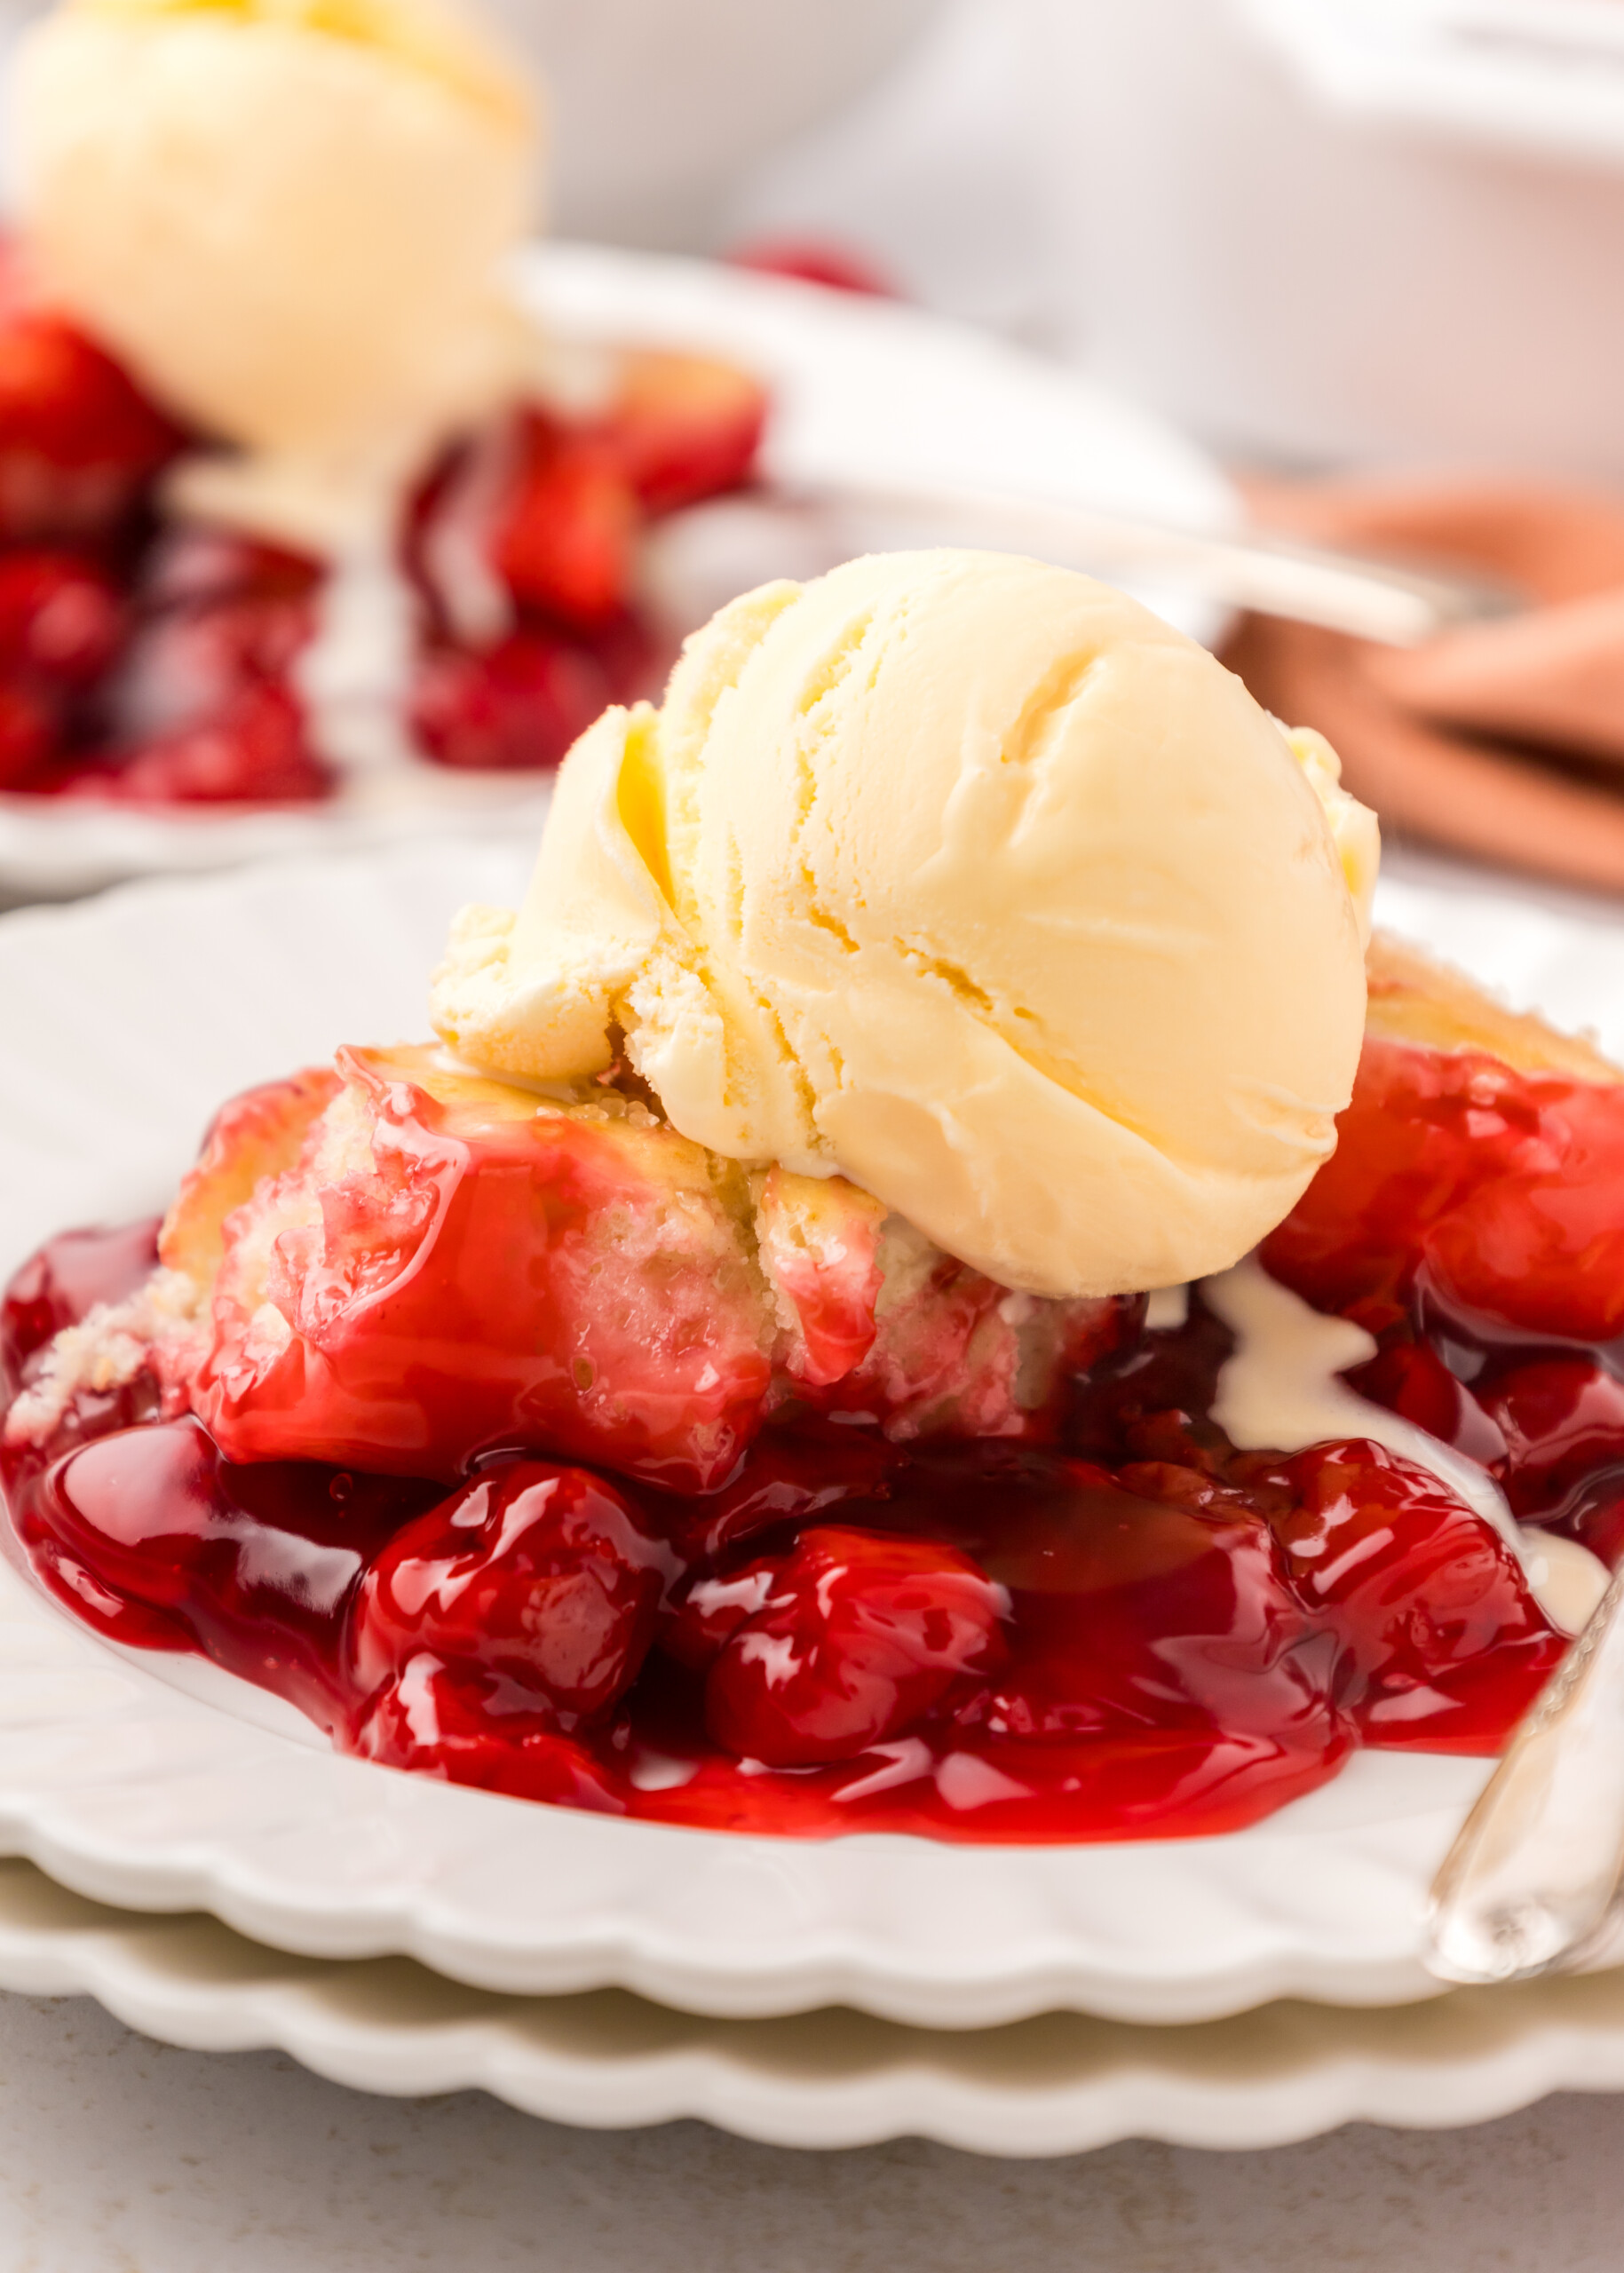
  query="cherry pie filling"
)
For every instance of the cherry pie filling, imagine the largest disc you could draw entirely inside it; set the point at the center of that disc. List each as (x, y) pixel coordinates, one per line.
(1104, 1621)
(147, 661)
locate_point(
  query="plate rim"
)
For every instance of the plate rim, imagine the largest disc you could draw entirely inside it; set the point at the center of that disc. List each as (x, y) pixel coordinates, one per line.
(1064, 2084)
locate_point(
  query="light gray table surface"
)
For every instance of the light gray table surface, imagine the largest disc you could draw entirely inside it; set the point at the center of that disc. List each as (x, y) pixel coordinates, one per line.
(122, 2155)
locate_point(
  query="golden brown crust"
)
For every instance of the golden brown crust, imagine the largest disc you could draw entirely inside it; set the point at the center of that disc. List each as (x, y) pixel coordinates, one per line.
(256, 1136)
(259, 1136)
(1413, 999)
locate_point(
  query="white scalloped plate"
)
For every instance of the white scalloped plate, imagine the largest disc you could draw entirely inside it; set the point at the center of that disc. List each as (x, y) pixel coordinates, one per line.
(1056, 2085)
(862, 389)
(154, 1783)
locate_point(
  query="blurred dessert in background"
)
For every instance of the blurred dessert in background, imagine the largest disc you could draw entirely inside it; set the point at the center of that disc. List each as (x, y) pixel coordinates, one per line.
(298, 498)
(287, 219)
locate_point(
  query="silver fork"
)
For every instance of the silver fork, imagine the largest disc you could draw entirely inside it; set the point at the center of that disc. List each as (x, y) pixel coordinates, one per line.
(1532, 1884)
(735, 542)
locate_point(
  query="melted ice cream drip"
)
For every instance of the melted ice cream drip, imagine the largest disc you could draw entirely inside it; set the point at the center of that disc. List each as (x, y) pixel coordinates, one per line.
(355, 675)
(477, 603)
(1281, 1391)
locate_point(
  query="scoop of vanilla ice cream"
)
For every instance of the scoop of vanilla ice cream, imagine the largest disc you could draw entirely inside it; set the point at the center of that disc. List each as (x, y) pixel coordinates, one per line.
(285, 214)
(969, 878)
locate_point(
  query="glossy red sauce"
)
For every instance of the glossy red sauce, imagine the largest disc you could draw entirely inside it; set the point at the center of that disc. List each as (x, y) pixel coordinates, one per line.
(1133, 1630)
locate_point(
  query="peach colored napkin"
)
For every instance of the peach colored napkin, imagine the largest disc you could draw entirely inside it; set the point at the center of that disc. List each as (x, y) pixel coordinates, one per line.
(1502, 739)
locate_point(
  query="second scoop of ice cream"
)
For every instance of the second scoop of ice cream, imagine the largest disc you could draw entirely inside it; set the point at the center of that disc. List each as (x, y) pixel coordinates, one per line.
(286, 215)
(970, 879)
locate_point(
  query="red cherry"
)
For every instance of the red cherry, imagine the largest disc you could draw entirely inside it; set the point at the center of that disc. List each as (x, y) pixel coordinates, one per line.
(520, 704)
(254, 751)
(1562, 1420)
(30, 728)
(1149, 1600)
(537, 1575)
(787, 1475)
(193, 565)
(1411, 1379)
(812, 261)
(709, 1611)
(683, 427)
(73, 1272)
(1503, 1185)
(434, 1722)
(564, 534)
(1537, 1241)
(155, 1538)
(60, 618)
(78, 441)
(1425, 1599)
(861, 1634)
(189, 664)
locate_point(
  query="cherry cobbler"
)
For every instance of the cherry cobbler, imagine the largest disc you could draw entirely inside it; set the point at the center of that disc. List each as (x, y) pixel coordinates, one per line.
(520, 1440)
(148, 659)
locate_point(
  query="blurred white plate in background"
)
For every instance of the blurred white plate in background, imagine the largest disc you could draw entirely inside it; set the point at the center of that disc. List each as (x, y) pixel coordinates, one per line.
(864, 390)
(1545, 76)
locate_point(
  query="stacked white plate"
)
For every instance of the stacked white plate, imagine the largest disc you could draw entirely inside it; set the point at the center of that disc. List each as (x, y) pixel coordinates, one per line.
(407, 1937)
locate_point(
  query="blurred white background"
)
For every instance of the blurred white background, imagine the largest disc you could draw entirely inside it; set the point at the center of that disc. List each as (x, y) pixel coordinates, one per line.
(1330, 229)
(1309, 230)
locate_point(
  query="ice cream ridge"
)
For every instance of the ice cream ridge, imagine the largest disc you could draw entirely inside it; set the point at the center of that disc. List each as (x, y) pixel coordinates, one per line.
(969, 880)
